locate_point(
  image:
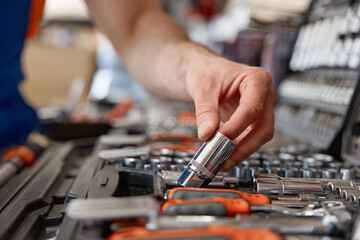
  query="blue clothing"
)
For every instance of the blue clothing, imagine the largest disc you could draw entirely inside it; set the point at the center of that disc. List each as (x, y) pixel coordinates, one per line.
(17, 119)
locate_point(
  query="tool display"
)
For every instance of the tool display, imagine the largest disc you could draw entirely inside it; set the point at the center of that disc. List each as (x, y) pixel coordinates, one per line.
(315, 98)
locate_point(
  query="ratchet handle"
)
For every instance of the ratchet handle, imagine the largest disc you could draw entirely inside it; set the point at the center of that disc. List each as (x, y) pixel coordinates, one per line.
(212, 232)
(186, 194)
(216, 206)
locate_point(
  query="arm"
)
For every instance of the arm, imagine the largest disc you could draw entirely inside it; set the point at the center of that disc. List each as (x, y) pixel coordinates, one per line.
(159, 54)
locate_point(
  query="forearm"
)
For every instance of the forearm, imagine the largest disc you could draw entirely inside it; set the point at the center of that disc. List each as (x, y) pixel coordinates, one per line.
(159, 54)
(153, 46)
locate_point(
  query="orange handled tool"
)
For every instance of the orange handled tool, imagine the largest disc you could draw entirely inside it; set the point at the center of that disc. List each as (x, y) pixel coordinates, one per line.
(18, 158)
(217, 206)
(219, 232)
(208, 193)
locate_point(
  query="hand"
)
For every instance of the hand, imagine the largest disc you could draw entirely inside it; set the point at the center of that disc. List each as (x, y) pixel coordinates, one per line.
(239, 95)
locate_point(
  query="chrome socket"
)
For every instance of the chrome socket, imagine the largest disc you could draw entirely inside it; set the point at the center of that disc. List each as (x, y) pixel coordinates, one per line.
(208, 160)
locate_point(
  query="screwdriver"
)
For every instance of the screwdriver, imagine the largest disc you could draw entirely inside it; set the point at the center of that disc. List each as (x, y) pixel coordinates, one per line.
(17, 158)
(208, 193)
(219, 232)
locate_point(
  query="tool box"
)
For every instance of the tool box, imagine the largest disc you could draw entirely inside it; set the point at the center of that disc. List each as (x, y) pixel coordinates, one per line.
(123, 185)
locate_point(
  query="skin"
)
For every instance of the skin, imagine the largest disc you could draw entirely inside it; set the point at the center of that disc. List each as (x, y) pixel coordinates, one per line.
(159, 54)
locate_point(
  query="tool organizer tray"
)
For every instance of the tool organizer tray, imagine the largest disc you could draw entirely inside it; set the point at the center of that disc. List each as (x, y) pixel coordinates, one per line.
(120, 186)
(123, 185)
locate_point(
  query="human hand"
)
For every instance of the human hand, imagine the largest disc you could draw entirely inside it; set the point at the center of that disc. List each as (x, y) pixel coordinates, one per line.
(239, 95)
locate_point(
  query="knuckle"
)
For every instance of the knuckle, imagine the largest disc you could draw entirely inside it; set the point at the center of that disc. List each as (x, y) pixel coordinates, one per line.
(242, 156)
(268, 134)
(203, 110)
(272, 95)
(267, 78)
(260, 75)
(264, 75)
(254, 110)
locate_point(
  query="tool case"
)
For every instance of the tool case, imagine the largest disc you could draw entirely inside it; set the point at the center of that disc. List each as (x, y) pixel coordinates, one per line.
(121, 185)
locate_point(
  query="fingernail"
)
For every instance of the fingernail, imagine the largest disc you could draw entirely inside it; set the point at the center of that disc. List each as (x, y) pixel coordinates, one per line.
(204, 129)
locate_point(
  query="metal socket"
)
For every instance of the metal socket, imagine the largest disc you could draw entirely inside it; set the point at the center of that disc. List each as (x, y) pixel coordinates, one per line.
(208, 160)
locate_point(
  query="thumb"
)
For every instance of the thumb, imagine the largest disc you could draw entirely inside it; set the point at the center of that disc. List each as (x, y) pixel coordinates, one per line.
(207, 116)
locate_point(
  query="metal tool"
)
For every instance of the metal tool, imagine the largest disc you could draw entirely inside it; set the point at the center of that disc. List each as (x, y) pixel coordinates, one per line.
(319, 209)
(329, 217)
(121, 140)
(113, 208)
(287, 187)
(170, 179)
(302, 197)
(208, 160)
(279, 224)
(332, 185)
(339, 189)
(116, 154)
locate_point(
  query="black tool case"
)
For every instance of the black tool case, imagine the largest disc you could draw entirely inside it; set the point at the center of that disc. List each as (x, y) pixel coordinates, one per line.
(318, 107)
(33, 201)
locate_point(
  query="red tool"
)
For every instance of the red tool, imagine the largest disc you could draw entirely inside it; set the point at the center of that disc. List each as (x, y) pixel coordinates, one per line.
(222, 232)
(206, 193)
(217, 206)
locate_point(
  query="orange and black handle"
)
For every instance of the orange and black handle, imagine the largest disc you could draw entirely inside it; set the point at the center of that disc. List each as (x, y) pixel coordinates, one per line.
(207, 193)
(217, 206)
(17, 158)
(215, 231)
(27, 153)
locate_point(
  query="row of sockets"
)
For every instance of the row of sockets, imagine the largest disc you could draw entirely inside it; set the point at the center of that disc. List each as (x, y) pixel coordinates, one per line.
(244, 173)
(301, 160)
(303, 165)
(328, 42)
(274, 184)
(350, 193)
(314, 124)
(332, 91)
(155, 163)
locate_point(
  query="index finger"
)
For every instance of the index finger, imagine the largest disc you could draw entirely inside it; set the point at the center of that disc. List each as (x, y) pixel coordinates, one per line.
(253, 90)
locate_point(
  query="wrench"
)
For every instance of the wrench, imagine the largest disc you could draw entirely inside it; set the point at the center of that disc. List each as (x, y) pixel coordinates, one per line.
(317, 209)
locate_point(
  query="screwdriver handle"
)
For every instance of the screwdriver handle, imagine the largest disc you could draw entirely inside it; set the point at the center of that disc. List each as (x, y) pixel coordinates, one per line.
(207, 193)
(217, 206)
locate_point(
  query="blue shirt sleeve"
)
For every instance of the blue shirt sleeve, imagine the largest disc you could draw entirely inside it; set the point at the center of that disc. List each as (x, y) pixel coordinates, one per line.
(17, 119)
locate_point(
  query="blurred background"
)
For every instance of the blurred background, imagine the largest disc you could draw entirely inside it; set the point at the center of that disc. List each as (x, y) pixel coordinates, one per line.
(71, 61)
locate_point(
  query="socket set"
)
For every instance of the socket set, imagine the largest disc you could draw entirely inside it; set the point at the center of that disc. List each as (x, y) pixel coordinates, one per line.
(291, 187)
(125, 184)
(315, 97)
